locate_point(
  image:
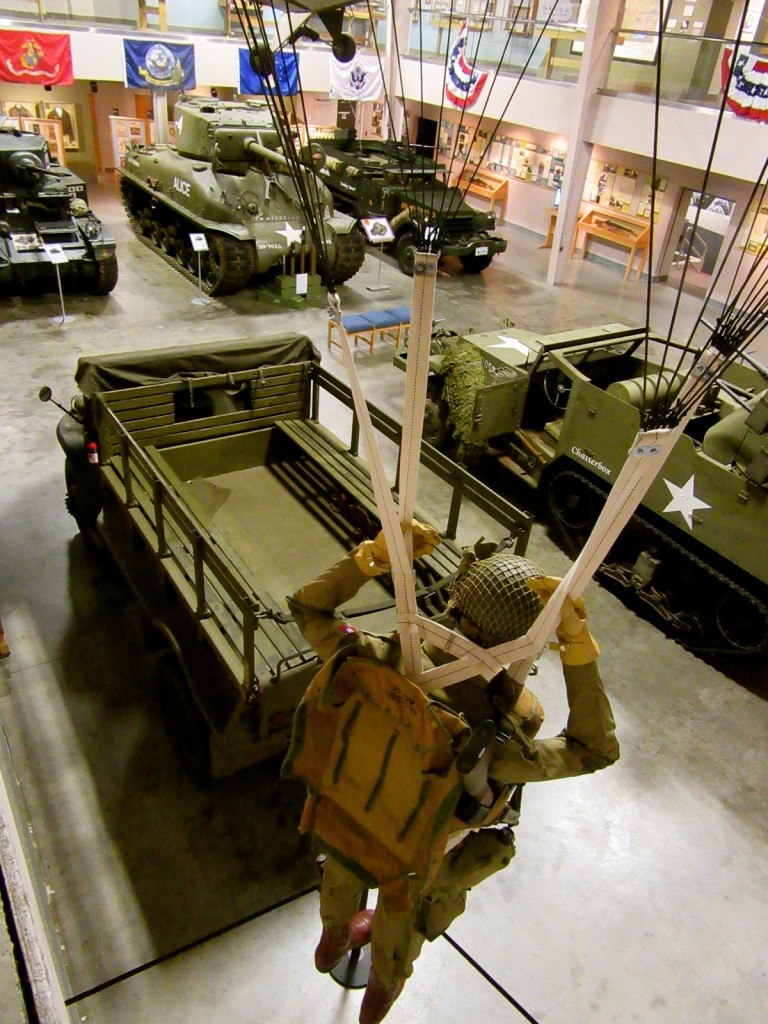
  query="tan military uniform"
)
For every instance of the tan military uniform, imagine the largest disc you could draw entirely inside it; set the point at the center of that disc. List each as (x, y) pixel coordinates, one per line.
(418, 908)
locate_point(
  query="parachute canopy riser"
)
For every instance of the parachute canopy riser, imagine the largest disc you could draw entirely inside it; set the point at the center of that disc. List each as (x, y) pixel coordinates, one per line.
(646, 457)
(417, 372)
(397, 547)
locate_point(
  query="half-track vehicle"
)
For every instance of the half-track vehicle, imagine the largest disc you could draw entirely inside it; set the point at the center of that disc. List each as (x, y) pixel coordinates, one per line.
(207, 474)
(560, 412)
(371, 178)
(226, 179)
(44, 204)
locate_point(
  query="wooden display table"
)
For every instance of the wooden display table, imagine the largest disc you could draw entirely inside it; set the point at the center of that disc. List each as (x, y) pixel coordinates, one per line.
(487, 184)
(632, 232)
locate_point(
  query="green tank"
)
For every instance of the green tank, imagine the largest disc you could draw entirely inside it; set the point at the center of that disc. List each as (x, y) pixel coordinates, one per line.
(43, 205)
(225, 178)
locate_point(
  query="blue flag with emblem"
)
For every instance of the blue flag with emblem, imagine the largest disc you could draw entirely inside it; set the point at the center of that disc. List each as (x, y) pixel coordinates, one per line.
(285, 81)
(151, 65)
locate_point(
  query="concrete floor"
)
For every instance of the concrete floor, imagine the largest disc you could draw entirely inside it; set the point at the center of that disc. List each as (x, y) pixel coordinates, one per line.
(639, 894)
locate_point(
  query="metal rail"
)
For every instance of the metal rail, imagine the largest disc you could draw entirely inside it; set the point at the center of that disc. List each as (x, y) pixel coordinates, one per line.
(217, 593)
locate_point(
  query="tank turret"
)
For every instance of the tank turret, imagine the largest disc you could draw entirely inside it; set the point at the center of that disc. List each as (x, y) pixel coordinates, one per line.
(43, 203)
(227, 178)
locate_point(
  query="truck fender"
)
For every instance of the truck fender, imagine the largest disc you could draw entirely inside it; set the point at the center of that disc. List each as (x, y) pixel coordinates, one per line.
(187, 728)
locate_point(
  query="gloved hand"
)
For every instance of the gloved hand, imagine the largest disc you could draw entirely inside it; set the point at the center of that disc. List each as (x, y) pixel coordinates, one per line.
(372, 557)
(577, 646)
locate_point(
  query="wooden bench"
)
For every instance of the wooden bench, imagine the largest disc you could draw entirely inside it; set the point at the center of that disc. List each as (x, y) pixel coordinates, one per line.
(351, 476)
(486, 184)
(366, 326)
(633, 233)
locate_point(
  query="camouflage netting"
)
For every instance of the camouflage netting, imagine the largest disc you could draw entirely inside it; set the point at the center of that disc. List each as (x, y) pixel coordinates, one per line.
(493, 594)
(463, 376)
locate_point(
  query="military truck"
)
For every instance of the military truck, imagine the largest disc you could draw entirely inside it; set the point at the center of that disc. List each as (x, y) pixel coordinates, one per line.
(371, 178)
(560, 412)
(44, 204)
(208, 475)
(226, 179)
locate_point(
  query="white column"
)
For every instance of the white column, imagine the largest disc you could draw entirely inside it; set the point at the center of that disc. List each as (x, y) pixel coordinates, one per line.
(604, 17)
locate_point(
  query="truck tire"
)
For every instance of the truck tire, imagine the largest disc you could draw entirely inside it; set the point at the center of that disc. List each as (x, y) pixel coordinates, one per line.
(405, 250)
(188, 731)
(86, 524)
(350, 254)
(105, 277)
(475, 264)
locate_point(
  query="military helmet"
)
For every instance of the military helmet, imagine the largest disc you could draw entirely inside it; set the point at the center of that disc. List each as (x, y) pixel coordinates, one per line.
(491, 602)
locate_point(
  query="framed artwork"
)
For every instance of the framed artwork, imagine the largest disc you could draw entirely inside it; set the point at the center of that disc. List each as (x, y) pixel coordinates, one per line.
(50, 129)
(17, 109)
(66, 114)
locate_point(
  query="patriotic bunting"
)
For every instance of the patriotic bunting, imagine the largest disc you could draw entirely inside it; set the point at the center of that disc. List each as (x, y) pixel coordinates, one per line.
(748, 91)
(463, 84)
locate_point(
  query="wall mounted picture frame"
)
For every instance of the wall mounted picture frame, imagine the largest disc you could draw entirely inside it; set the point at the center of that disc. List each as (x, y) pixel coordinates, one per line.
(66, 113)
(51, 130)
(17, 109)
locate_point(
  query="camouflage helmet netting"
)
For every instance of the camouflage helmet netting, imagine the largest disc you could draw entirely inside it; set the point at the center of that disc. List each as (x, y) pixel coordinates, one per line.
(493, 594)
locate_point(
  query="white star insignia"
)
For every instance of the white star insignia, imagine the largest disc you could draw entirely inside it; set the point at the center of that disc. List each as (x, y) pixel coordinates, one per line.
(293, 236)
(507, 342)
(684, 501)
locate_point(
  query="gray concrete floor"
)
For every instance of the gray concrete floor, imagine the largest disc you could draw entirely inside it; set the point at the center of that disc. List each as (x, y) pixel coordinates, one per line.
(639, 894)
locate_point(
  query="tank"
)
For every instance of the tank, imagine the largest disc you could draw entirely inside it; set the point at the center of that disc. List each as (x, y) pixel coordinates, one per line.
(44, 204)
(226, 179)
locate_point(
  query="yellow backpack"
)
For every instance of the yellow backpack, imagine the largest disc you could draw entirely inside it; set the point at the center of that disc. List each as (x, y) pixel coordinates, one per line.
(378, 758)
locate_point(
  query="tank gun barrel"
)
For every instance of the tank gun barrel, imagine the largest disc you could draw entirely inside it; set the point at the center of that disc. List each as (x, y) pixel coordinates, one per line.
(310, 158)
(22, 164)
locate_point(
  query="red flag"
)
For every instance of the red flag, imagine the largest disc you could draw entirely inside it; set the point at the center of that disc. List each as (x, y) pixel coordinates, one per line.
(35, 58)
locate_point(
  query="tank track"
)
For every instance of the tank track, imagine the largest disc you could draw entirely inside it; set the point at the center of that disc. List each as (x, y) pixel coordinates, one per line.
(350, 254)
(682, 621)
(238, 261)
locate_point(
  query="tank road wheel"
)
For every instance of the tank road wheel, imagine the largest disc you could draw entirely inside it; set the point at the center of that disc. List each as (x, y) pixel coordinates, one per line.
(741, 623)
(350, 254)
(476, 264)
(228, 265)
(435, 430)
(185, 254)
(167, 239)
(105, 276)
(574, 506)
(405, 251)
(145, 221)
(187, 729)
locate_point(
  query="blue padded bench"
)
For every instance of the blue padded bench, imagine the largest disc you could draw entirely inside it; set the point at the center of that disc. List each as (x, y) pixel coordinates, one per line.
(364, 326)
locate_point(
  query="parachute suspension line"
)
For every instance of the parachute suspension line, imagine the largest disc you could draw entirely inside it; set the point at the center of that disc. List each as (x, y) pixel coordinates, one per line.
(446, 66)
(304, 180)
(745, 313)
(416, 213)
(500, 120)
(481, 115)
(740, 228)
(688, 347)
(654, 179)
(405, 178)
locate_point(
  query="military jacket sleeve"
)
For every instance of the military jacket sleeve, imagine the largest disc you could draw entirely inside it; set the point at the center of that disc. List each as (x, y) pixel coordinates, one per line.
(314, 610)
(587, 743)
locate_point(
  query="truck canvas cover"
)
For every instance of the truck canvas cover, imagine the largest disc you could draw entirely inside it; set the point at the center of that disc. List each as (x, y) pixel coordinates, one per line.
(134, 369)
